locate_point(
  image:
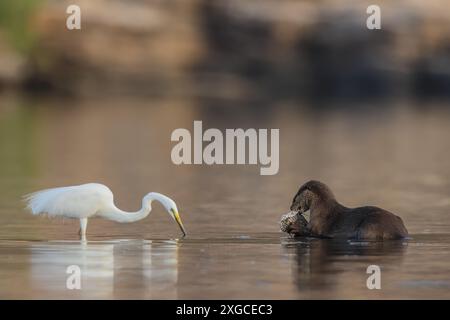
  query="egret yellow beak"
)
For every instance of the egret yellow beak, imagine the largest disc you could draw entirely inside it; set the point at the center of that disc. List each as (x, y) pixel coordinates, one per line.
(176, 215)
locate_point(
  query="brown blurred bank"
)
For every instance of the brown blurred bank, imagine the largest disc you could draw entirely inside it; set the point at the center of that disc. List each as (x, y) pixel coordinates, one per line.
(270, 49)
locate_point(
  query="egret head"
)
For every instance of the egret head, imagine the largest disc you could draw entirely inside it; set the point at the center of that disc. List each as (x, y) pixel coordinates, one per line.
(171, 208)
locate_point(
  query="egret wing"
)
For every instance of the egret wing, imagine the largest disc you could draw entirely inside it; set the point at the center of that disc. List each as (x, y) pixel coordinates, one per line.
(73, 202)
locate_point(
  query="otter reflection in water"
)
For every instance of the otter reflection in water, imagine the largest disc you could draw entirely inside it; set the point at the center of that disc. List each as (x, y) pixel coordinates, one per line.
(321, 265)
(330, 219)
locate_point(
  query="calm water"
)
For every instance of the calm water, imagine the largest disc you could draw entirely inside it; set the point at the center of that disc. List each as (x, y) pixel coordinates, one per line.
(395, 156)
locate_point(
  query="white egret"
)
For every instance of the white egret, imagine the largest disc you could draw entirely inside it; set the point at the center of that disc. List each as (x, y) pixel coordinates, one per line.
(93, 200)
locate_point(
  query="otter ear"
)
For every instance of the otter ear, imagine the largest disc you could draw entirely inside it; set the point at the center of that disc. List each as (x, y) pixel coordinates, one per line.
(303, 189)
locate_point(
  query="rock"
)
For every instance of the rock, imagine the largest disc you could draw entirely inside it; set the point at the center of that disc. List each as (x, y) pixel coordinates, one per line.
(122, 47)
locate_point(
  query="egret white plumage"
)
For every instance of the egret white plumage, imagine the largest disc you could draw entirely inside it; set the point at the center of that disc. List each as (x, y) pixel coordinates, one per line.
(93, 200)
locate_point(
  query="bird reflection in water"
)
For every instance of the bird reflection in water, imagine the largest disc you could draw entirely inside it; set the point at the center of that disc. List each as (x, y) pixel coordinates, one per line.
(112, 269)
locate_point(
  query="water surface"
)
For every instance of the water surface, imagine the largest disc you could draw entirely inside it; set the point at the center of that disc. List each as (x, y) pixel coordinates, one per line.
(393, 155)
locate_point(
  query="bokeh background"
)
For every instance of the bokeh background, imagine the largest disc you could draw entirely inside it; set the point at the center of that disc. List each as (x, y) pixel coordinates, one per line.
(365, 111)
(264, 50)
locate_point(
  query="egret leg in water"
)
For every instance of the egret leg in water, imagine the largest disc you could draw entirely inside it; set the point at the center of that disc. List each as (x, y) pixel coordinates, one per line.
(94, 200)
(83, 227)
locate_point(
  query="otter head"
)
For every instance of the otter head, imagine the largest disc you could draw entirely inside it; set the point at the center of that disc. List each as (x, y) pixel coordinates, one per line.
(310, 194)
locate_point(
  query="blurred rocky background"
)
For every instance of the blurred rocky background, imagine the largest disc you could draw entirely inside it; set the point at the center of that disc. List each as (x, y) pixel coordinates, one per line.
(232, 49)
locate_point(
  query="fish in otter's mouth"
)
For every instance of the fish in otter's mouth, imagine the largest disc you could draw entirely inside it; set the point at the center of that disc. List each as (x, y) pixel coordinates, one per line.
(291, 221)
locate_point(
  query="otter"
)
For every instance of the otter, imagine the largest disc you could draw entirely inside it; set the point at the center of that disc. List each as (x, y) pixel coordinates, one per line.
(330, 219)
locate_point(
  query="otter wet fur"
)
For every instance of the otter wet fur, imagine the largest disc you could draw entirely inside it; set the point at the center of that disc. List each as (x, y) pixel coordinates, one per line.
(330, 219)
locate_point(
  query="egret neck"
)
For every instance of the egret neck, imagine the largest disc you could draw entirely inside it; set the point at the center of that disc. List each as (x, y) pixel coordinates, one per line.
(116, 214)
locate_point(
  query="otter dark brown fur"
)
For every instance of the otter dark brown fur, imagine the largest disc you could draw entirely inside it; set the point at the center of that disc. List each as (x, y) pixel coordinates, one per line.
(330, 219)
